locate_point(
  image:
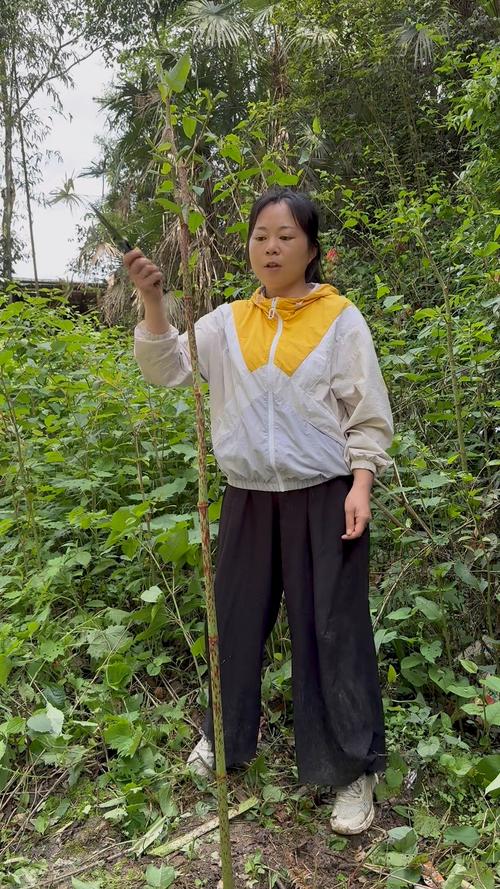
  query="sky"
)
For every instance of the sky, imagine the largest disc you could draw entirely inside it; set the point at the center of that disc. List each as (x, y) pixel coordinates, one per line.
(55, 227)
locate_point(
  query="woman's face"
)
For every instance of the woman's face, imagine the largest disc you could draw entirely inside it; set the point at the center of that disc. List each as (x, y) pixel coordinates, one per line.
(278, 248)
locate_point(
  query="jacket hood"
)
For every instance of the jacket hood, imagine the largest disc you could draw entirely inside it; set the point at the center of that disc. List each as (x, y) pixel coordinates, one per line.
(285, 306)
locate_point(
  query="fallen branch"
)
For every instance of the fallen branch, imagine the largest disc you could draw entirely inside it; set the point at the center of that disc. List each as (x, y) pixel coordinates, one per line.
(184, 840)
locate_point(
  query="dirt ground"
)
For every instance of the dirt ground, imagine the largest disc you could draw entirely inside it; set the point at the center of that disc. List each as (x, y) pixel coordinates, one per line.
(295, 856)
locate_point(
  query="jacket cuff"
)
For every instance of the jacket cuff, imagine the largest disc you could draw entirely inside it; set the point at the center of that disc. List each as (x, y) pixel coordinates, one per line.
(141, 332)
(363, 464)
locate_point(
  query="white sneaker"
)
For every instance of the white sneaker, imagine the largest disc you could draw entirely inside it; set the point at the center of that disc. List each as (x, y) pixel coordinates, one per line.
(201, 760)
(353, 811)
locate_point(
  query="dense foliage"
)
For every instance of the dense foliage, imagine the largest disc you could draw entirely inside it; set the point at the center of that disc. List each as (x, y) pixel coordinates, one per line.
(392, 123)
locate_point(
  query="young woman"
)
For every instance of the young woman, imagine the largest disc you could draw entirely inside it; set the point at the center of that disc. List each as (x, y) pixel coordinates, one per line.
(301, 423)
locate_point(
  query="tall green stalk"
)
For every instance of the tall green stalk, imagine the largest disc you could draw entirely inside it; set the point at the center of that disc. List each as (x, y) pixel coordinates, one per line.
(183, 198)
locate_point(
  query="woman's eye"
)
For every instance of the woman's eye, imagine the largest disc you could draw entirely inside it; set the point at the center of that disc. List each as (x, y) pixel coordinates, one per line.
(285, 238)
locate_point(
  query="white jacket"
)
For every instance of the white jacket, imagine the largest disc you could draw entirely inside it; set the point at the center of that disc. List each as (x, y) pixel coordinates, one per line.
(296, 392)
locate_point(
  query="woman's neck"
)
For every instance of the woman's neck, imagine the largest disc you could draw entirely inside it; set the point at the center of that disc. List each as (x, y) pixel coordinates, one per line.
(294, 291)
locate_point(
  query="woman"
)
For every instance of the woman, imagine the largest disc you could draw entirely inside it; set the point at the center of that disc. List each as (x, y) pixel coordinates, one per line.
(301, 423)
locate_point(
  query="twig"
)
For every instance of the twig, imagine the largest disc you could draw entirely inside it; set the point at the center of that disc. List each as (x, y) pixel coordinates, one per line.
(34, 809)
(100, 854)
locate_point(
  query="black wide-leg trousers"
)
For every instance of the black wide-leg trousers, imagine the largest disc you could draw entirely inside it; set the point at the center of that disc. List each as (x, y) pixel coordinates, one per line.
(272, 542)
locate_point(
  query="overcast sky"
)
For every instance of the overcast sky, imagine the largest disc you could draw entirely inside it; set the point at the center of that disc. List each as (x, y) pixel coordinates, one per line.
(55, 227)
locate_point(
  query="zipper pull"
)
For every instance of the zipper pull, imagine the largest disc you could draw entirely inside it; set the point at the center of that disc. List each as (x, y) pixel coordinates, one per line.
(272, 313)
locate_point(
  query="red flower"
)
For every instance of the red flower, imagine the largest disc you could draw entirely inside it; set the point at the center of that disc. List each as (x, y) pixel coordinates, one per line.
(332, 255)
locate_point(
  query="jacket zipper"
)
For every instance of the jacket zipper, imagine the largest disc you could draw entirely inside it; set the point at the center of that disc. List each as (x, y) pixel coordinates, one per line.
(270, 403)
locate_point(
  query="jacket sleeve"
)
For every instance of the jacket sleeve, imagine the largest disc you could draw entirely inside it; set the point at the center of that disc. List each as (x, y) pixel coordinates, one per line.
(358, 385)
(164, 358)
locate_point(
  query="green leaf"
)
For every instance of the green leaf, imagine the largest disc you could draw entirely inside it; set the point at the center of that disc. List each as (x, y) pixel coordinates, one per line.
(383, 636)
(195, 219)
(431, 650)
(316, 126)
(198, 646)
(428, 748)
(81, 557)
(429, 608)
(492, 682)
(470, 666)
(168, 805)
(50, 651)
(272, 793)
(49, 721)
(105, 642)
(487, 770)
(151, 835)
(462, 691)
(463, 834)
(177, 76)
(165, 492)
(55, 694)
(403, 838)
(401, 877)
(121, 736)
(165, 187)
(493, 785)
(466, 576)
(411, 669)
(392, 301)
(394, 778)
(492, 713)
(400, 614)
(232, 150)
(152, 595)
(175, 546)
(189, 125)
(118, 674)
(169, 205)
(434, 480)
(391, 675)
(161, 877)
(282, 178)
(426, 825)
(5, 668)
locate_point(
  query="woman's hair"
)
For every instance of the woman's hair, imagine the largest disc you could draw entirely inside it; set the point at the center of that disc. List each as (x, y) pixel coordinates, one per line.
(305, 214)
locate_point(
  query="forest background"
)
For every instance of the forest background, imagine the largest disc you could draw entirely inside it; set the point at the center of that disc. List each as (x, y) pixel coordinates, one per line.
(387, 114)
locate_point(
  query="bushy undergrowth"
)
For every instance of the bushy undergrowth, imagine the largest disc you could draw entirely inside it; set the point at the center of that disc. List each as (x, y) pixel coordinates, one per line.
(102, 667)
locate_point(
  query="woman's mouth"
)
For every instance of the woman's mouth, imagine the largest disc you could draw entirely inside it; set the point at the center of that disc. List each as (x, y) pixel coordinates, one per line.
(272, 265)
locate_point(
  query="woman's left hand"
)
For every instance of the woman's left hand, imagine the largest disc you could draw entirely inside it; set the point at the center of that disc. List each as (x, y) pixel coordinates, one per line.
(357, 512)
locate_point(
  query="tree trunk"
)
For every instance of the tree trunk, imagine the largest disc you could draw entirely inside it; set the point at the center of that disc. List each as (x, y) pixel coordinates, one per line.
(8, 191)
(26, 177)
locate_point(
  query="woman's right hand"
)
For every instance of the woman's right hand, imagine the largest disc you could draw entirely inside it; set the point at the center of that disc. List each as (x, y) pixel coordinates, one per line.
(144, 274)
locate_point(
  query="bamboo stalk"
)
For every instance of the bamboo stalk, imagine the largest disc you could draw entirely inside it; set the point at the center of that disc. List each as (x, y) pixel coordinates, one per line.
(183, 198)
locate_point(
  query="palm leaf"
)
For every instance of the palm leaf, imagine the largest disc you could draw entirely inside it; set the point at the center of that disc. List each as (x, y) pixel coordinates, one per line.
(424, 44)
(66, 194)
(313, 37)
(491, 7)
(261, 13)
(214, 23)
